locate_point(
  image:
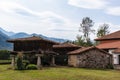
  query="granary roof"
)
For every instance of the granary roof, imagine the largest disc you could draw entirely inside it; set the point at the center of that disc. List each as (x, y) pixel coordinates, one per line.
(66, 45)
(111, 36)
(111, 45)
(81, 50)
(33, 38)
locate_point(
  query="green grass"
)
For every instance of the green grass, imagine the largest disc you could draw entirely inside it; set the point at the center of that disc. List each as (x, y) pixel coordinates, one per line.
(5, 61)
(9, 61)
(62, 73)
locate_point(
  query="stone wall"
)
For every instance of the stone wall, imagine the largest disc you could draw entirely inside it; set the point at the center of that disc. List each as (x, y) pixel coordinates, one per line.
(72, 60)
(90, 59)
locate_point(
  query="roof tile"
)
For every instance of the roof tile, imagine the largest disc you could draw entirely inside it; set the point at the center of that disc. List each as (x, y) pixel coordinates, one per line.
(112, 45)
(64, 45)
(81, 50)
(112, 36)
(34, 38)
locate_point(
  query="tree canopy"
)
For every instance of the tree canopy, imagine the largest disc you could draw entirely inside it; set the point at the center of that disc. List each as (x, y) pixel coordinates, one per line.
(103, 30)
(86, 27)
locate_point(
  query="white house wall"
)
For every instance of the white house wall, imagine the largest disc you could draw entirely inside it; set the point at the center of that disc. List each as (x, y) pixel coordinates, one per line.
(115, 57)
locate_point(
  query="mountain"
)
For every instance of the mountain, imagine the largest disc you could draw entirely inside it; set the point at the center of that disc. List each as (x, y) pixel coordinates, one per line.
(22, 35)
(5, 35)
(9, 33)
(13, 35)
(3, 43)
(54, 39)
(19, 35)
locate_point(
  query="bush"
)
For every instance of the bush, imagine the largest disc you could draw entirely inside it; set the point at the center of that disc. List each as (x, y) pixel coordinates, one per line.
(20, 65)
(4, 55)
(110, 66)
(31, 67)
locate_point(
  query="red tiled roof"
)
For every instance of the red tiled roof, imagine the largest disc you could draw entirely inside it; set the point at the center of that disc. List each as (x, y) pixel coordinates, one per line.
(34, 38)
(112, 36)
(64, 45)
(81, 50)
(112, 45)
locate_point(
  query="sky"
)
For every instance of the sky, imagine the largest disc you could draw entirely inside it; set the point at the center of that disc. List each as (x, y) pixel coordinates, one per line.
(57, 18)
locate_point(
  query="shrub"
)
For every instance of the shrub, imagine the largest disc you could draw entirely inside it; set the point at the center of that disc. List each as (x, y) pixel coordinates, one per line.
(20, 65)
(110, 66)
(25, 64)
(4, 55)
(31, 67)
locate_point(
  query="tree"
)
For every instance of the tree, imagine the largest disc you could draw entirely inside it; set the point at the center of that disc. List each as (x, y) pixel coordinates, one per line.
(85, 28)
(103, 30)
(81, 42)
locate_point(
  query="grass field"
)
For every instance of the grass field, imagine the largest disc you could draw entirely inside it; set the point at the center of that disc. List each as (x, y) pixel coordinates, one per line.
(9, 61)
(62, 73)
(5, 61)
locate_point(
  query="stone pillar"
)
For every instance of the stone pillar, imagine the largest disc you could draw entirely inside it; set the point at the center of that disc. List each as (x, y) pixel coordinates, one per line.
(13, 61)
(53, 61)
(39, 66)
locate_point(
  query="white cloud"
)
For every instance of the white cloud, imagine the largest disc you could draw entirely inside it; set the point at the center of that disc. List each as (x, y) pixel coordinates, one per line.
(113, 11)
(114, 27)
(18, 18)
(105, 5)
(89, 4)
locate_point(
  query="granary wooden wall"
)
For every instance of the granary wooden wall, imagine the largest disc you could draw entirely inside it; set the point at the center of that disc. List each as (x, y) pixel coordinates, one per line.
(90, 59)
(32, 45)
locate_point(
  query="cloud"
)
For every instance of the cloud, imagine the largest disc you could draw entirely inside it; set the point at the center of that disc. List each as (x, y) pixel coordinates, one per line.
(114, 27)
(107, 7)
(88, 4)
(68, 30)
(20, 10)
(113, 11)
(16, 17)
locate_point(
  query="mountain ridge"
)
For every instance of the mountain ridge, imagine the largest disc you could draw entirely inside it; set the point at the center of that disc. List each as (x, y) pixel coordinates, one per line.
(5, 35)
